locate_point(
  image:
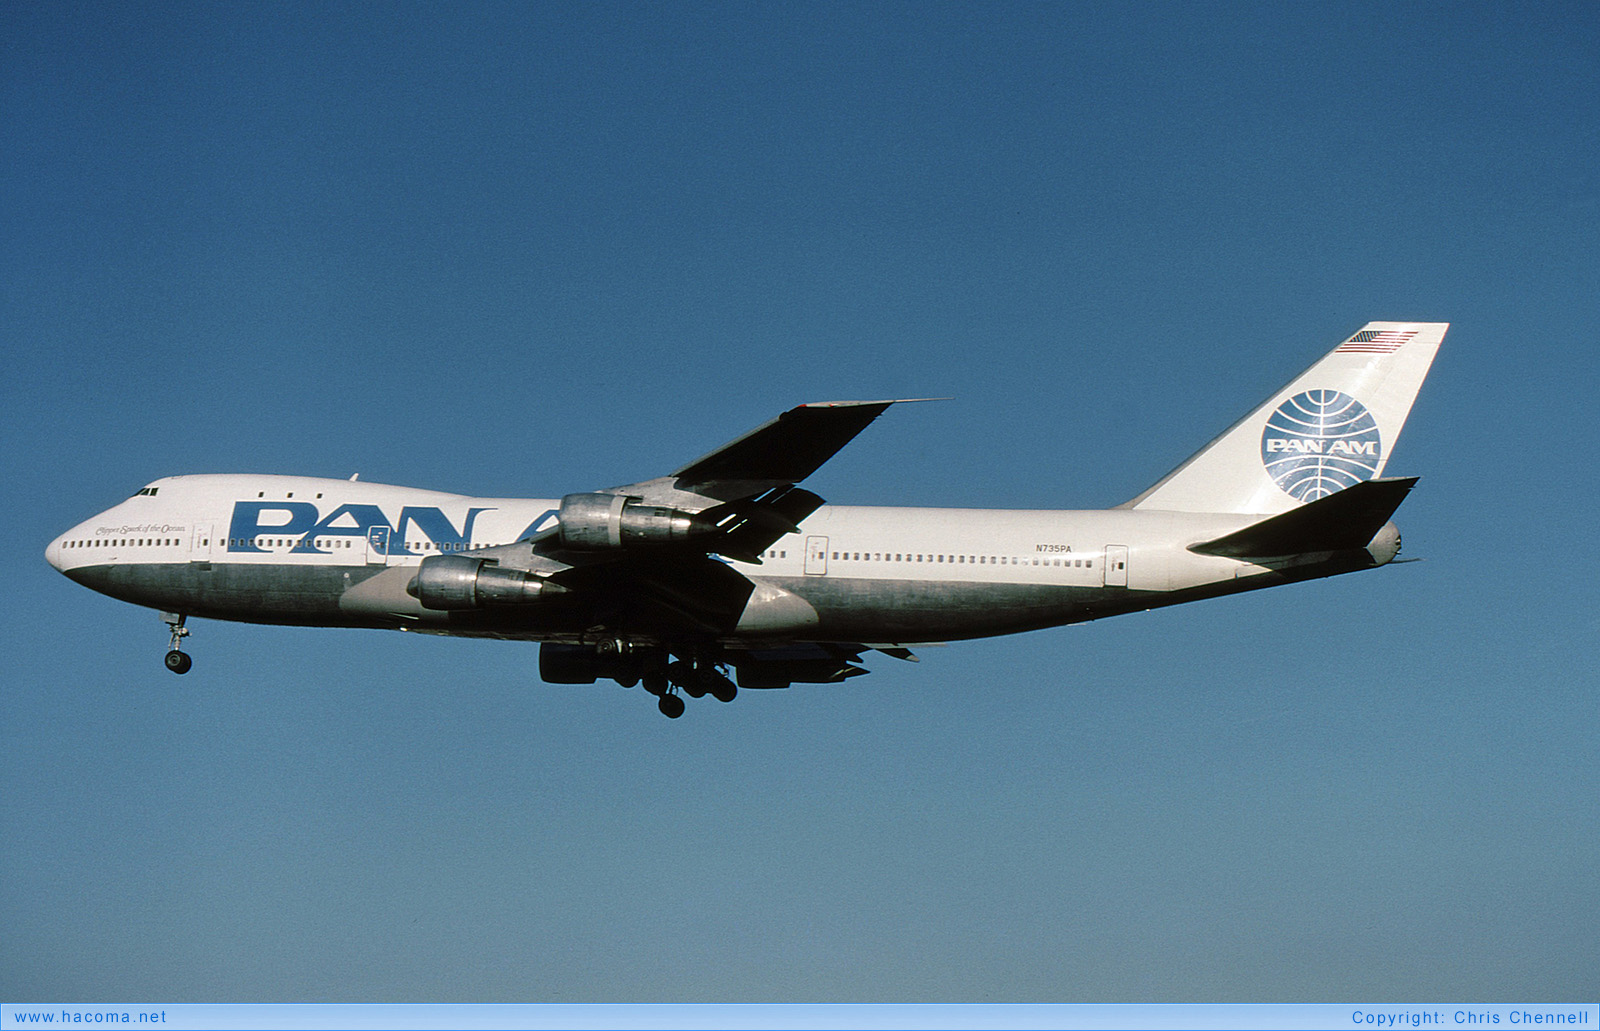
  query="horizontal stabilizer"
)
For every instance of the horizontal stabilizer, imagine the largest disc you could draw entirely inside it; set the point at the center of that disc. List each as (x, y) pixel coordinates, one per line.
(1343, 521)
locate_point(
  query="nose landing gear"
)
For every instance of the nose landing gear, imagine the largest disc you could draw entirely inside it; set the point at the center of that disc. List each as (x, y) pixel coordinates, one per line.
(177, 660)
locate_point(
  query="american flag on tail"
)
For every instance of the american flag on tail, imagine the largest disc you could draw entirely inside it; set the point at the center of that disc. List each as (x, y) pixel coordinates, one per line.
(1377, 341)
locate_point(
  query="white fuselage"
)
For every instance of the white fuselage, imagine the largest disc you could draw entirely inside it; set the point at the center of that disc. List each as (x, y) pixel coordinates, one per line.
(308, 551)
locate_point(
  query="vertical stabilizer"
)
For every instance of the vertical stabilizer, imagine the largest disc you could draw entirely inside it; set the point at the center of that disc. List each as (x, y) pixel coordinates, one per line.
(1329, 429)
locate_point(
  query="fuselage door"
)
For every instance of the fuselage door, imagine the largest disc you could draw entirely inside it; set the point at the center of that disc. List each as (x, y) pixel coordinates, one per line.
(816, 556)
(378, 545)
(202, 543)
(1116, 565)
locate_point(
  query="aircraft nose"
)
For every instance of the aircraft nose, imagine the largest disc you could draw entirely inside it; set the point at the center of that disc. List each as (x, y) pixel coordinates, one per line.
(52, 553)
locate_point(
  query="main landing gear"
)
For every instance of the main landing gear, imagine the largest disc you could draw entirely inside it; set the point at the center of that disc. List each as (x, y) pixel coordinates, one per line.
(695, 679)
(177, 660)
(696, 671)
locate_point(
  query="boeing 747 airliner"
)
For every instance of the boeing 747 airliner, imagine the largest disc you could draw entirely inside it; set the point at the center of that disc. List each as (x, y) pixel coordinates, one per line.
(726, 574)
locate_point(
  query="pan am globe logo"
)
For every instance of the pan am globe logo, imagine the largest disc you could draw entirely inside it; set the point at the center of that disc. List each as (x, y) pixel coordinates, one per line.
(1319, 442)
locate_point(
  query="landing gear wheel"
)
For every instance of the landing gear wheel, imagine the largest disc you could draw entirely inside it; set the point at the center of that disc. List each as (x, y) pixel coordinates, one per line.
(671, 706)
(724, 690)
(177, 661)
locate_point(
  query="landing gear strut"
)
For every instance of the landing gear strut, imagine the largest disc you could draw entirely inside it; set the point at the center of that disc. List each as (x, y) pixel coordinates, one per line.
(672, 671)
(694, 677)
(177, 660)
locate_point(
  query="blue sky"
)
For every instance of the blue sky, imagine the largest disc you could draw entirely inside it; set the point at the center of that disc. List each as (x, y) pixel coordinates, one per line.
(533, 249)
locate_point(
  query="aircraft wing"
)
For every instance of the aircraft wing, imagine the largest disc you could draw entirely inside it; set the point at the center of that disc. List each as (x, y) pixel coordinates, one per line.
(669, 593)
(735, 501)
(776, 454)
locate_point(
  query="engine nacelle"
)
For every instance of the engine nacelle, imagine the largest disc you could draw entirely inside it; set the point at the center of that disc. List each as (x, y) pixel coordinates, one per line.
(597, 522)
(584, 664)
(453, 582)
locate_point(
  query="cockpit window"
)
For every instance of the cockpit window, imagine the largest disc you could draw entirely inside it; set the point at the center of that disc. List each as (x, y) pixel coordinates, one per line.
(148, 492)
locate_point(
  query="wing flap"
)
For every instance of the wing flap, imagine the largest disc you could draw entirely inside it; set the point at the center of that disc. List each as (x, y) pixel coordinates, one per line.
(778, 667)
(750, 527)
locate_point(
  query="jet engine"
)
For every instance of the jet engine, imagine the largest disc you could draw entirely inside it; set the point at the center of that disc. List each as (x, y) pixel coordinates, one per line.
(465, 582)
(598, 522)
(584, 664)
